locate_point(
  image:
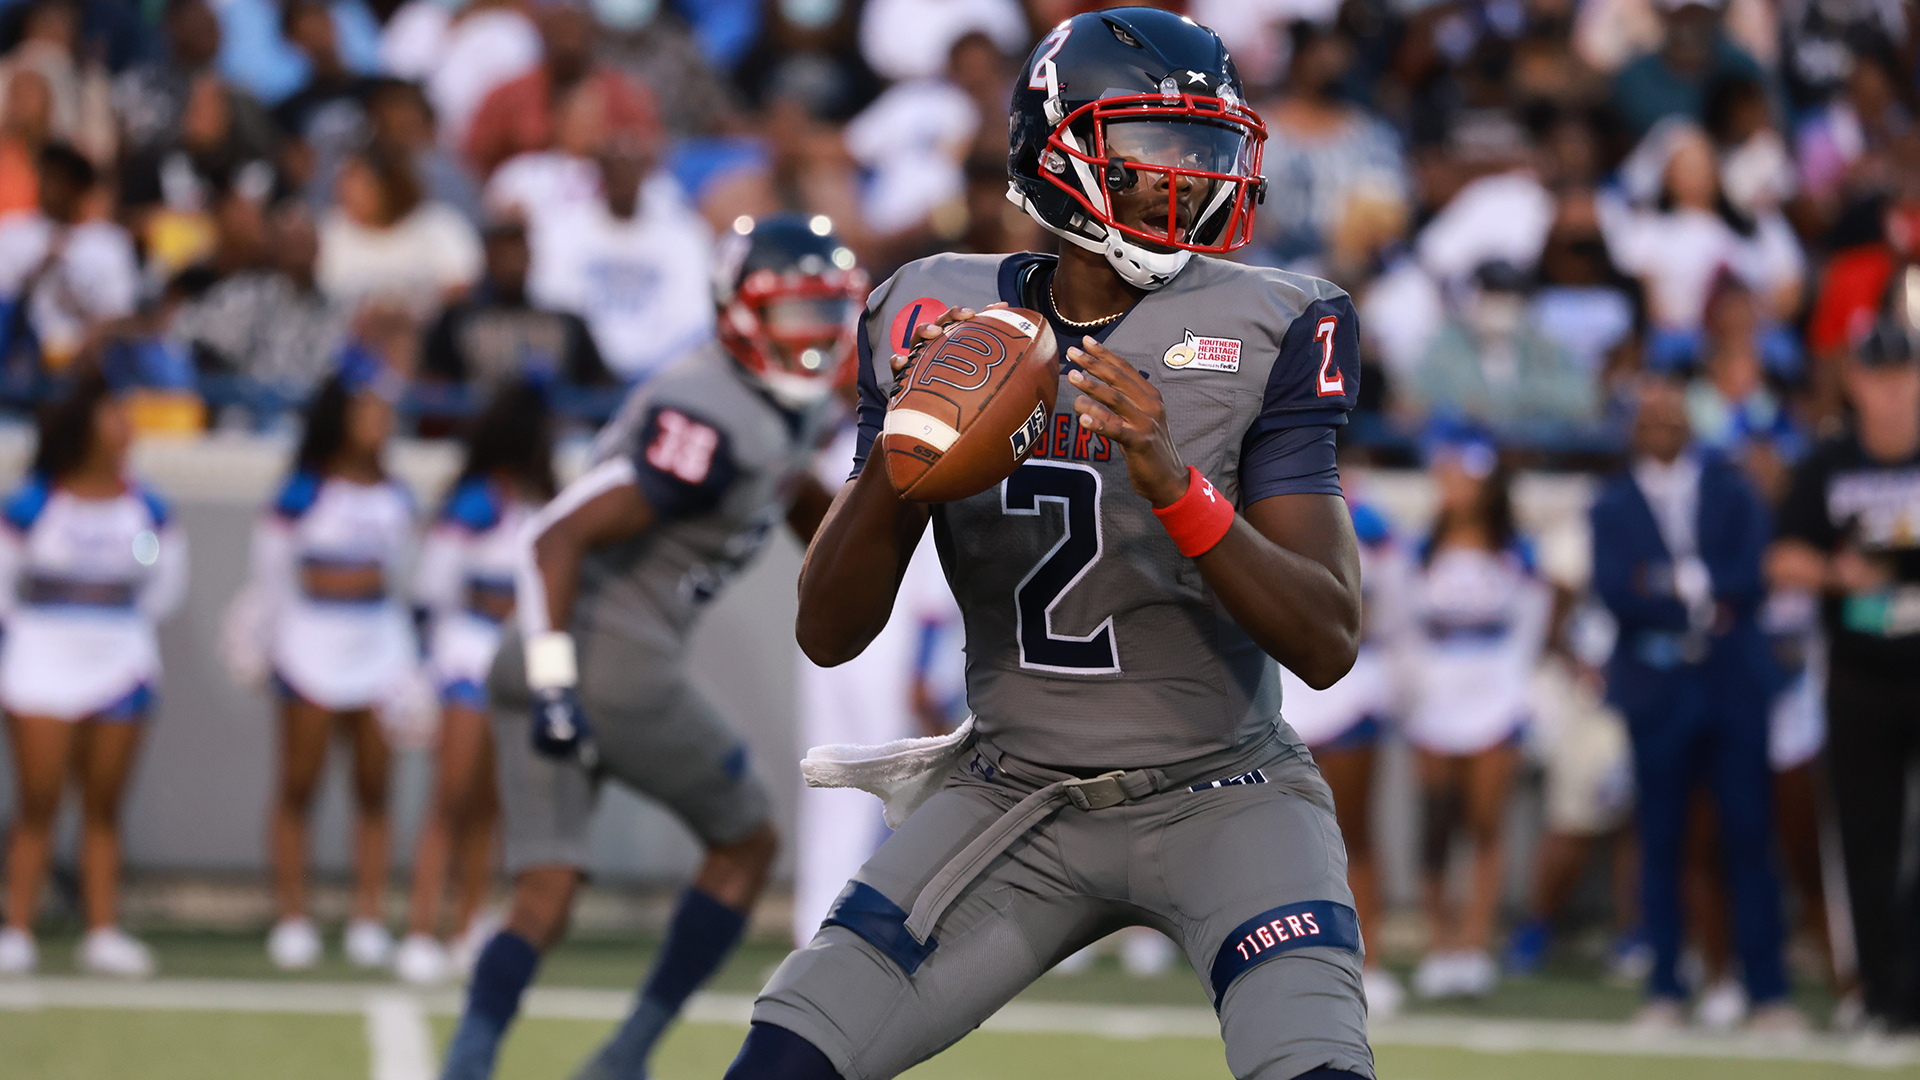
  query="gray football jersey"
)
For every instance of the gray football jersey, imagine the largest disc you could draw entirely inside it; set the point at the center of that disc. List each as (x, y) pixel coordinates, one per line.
(719, 463)
(1091, 641)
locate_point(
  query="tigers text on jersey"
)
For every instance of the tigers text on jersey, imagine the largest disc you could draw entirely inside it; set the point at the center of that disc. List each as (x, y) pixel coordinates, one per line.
(337, 650)
(719, 463)
(465, 580)
(1091, 641)
(1477, 621)
(82, 584)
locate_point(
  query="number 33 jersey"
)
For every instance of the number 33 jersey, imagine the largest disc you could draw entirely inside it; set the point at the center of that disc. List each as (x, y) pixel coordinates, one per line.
(1091, 641)
(719, 463)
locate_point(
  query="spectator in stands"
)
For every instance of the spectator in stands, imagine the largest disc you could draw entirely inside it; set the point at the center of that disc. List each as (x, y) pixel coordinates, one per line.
(80, 110)
(459, 53)
(1850, 532)
(258, 51)
(1844, 147)
(1477, 617)
(325, 603)
(1583, 303)
(401, 122)
(26, 126)
(1322, 153)
(386, 241)
(517, 116)
(633, 263)
(912, 39)
(1677, 544)
(1673, 80)
(913, 143)
(269, 323)
(565, 174)
(465, 583)
(90, 561)
(62, 273)
(1676, 231)
(325, 116)
(151, 98)
(812, 56)
(169, 191)
(1730, 405)
(1490, 362)
(498, 335)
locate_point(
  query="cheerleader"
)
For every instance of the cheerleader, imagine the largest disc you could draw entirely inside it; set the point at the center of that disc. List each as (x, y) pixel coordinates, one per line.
(327, 561)
(1342, 724)
(90, 561)
(465, 583)
(1478, 617)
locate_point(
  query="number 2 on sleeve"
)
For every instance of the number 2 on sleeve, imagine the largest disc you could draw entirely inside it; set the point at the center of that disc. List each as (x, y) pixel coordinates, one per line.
(1332, 382)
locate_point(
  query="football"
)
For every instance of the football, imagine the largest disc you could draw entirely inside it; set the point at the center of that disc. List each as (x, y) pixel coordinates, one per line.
(975, 403)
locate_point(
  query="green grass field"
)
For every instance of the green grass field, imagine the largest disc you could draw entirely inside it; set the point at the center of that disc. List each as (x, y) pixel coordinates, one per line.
(322, 1036)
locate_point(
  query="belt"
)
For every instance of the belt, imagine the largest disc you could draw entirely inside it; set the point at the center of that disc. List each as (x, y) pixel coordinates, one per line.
(1101, 792)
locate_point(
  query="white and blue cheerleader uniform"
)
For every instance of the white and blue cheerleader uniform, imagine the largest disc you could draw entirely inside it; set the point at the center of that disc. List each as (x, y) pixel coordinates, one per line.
(338, 652)
(1350, 714)
(1477, 622)
(83, 584)
(465, 582)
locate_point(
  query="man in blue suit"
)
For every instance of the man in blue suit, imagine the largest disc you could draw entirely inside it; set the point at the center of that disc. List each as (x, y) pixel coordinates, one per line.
(1677, 546)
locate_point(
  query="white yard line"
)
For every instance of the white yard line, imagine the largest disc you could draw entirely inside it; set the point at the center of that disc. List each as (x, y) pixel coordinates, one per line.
(398, 1040)
(1105, 1021)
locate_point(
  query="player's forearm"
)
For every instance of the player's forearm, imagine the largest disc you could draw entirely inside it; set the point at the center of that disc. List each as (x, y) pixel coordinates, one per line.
(853, 568)
(1299, 610)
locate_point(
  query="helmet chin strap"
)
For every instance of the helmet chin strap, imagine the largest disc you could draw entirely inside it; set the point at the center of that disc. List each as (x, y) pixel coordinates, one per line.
(1137, 266)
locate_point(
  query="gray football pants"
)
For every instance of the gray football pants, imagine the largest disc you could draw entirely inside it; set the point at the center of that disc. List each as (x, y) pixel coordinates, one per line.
(1249, 877)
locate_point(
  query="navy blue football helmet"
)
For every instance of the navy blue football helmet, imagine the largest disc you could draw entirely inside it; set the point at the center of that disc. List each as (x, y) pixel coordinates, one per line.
(789, 293)
(1112, 100)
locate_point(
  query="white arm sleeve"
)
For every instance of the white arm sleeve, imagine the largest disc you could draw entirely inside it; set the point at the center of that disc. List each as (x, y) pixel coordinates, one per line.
(530, 589)
(166, 587)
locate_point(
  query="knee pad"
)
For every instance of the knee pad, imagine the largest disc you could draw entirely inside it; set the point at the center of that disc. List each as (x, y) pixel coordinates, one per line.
(774, 1053)
(1326, 1072)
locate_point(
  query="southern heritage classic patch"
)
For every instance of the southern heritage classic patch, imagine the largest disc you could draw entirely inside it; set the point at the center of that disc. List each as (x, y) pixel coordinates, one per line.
(1205, 353)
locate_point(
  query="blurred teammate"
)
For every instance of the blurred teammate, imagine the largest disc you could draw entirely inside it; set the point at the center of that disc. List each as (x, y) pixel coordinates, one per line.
(1478, 615)
(328, 561)
(1343, 723)
(682, 489)
(1128, 765)
(90, 561)
(465, 581)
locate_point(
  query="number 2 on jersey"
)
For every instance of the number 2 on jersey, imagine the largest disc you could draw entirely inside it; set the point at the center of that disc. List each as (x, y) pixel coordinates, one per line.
(1076, 488)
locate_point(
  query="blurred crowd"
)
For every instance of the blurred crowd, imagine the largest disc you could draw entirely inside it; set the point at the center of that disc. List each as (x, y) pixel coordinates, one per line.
(1533, 200)
(1572, 228)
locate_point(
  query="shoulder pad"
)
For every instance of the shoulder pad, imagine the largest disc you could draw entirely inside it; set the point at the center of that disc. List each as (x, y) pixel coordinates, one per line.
(298, 495)
(472, 506)
(24, 506)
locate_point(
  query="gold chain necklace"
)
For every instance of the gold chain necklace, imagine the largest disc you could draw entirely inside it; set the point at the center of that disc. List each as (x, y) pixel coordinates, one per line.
(1094, 325)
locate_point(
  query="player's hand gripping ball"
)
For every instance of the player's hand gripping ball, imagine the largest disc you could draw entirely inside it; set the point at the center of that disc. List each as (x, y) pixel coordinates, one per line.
(560, 728)
(973, 400)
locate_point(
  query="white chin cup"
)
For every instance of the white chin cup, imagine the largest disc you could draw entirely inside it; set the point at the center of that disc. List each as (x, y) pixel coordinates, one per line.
(1141, 268)
(795, 391)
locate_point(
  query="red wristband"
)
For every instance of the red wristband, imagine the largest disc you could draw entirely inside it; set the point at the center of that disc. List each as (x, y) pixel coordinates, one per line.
(1199, 519)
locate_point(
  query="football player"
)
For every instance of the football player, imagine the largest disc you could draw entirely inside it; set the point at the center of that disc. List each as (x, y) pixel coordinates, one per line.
(1125, 593)
(683, 487)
